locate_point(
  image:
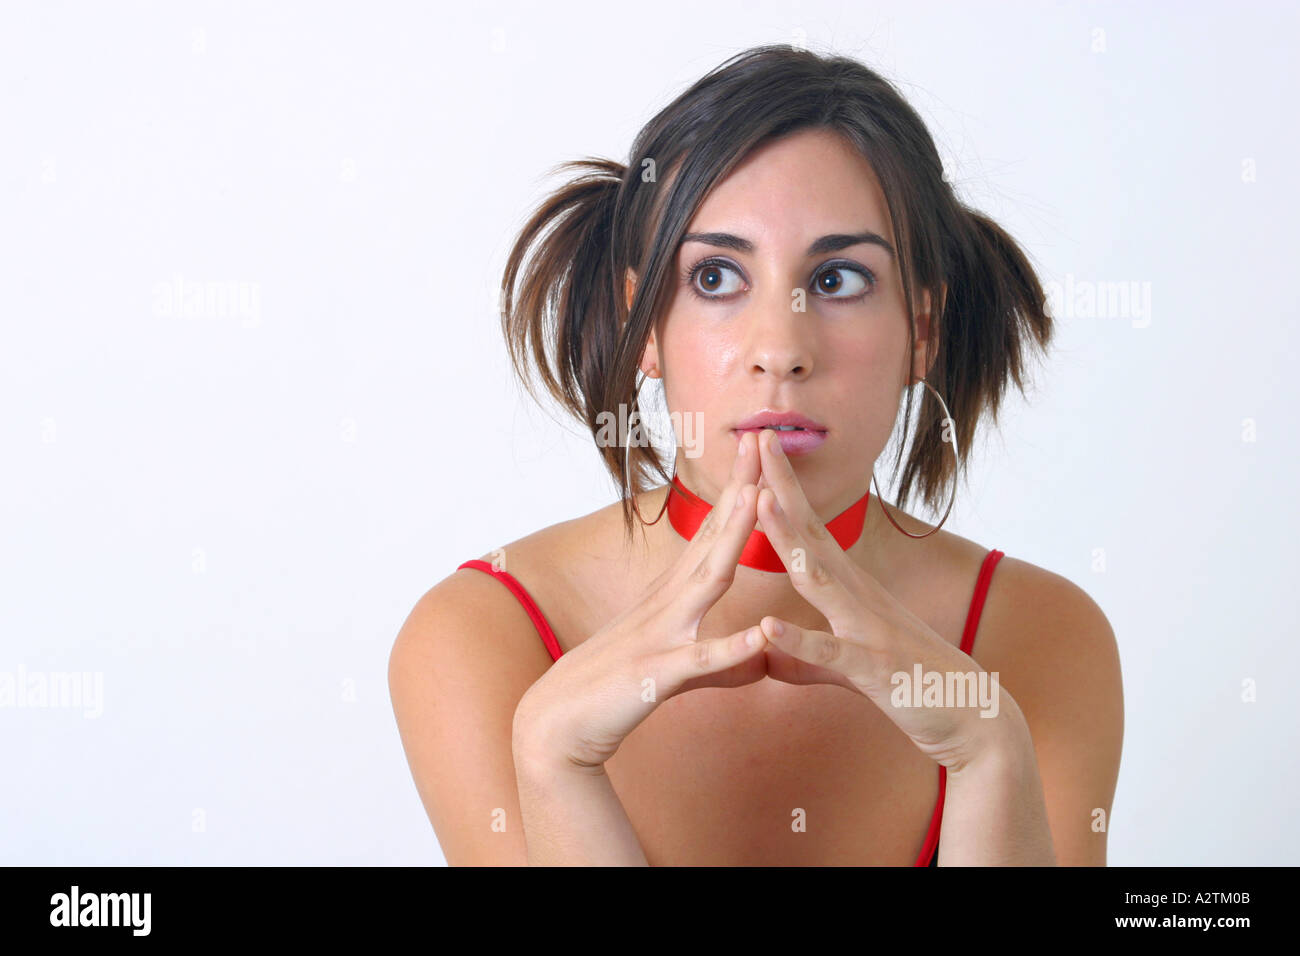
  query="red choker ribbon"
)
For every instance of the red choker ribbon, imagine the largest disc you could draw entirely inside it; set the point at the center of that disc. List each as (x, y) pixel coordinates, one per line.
(687, 511)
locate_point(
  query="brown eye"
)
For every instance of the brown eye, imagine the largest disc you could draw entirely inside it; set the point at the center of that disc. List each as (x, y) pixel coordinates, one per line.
(709, 280)
(844, 282)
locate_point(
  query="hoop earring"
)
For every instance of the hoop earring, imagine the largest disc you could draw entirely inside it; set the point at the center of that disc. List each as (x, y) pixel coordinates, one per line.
(947, 417)
(627, 452)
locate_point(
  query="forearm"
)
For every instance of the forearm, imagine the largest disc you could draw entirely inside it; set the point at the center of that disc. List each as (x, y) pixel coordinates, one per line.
(572, 816)
(994, 811)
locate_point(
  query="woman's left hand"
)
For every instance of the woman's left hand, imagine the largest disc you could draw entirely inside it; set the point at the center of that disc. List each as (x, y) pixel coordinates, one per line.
(875, 642)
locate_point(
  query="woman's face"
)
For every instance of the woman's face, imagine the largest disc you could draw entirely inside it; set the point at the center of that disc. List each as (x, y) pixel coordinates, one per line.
(733, 343)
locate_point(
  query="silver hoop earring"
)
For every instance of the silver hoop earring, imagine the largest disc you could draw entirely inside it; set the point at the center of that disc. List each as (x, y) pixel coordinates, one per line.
(627, 455)
(947, 418)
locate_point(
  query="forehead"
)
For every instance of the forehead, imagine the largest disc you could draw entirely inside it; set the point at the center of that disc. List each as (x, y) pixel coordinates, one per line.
(789, 191)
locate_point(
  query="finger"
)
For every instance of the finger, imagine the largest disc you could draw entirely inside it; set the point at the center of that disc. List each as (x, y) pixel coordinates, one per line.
(810, 573)
(780, 666)
(818, 649)
(714, 566)
(747, 468)
(678, 666)
(744, 467)
(800, 518)
(708, 566)
(665, 592)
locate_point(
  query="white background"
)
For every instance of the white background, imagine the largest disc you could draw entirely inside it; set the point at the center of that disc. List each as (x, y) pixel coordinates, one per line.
(229, 516)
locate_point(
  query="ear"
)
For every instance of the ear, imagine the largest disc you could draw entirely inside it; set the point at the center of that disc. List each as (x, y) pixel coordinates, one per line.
(650, 363)
(927, 334)
(629, 287)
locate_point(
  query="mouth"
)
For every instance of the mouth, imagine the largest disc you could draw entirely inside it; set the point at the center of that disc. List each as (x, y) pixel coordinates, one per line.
(797, 433)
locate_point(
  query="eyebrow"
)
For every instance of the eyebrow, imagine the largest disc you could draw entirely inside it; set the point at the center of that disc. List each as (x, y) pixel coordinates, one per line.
(831, 243)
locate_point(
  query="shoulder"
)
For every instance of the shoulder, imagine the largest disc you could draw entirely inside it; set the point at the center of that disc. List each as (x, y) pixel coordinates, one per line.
(548, 564)
(1035, 619)
(461, 662)
(551, 560)
(1055, 653)
(547, 550)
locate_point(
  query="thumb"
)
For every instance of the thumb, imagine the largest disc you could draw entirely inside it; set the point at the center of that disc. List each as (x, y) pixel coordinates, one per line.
(799, 653)
(692, 665)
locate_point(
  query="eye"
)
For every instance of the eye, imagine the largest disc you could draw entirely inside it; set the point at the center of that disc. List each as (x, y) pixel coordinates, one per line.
(853, 278)
(843, 281)
(712, 275)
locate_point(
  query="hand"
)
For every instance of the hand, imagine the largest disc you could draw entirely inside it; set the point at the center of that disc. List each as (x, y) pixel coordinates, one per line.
(873, 636)
(580, 710)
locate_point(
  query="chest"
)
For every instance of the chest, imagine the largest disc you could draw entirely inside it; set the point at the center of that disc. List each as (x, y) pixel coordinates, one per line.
(774, 774)
(771, 773)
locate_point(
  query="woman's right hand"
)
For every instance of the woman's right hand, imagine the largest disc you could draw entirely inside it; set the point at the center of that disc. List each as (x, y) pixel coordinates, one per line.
(580, 710)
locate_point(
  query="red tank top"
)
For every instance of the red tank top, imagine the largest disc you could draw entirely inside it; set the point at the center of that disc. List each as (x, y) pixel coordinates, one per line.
(929, 854)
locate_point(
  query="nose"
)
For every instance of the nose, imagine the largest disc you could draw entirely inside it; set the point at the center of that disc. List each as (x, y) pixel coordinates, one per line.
(779, 341)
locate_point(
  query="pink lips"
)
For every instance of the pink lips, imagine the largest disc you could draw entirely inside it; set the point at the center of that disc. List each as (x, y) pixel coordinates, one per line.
(810, 435)
(792, 443)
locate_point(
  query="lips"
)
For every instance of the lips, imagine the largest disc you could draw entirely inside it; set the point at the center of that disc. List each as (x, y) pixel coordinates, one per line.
(798, 433)
(766, 418)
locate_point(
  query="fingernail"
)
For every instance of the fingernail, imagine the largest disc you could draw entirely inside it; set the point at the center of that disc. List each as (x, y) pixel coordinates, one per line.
(775, 627)
(774, 443)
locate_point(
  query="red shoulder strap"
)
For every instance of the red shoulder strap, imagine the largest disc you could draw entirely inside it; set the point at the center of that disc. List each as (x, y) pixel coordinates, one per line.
(534, 612)
(977, 601)
(930, 847)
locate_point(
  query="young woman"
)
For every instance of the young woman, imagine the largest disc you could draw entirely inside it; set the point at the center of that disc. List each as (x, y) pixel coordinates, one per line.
(775, 674)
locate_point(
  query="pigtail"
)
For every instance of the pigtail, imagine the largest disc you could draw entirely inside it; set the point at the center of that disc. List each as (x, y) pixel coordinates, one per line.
(558, 290)
(994, 319)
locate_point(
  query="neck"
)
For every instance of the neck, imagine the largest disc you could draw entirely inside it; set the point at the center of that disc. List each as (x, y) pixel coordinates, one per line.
(687, 512)
(771, 590)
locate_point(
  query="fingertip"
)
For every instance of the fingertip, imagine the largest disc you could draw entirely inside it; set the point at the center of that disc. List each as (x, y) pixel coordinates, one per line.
(746, 450)
(773, 626)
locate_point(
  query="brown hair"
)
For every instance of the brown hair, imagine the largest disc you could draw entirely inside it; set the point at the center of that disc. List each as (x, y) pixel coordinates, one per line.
(564, 311)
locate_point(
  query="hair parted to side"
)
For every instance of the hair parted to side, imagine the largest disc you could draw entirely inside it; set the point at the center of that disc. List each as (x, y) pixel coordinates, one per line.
(564, 312)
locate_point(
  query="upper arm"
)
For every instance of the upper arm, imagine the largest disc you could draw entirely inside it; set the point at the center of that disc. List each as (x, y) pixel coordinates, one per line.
(462, 660)
(1060, 662)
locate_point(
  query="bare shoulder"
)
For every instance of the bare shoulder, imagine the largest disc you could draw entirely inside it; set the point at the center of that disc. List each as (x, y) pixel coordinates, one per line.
(470, 620)
(1031, 616)
(464, 657)
(1055, 653)
(555, 565)
(1036, 621)
(468, 631)
(547, 555)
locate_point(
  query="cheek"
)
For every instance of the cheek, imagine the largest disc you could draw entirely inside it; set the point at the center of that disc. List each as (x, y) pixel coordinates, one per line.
(701, 368)
(865, 381)
(868, 362)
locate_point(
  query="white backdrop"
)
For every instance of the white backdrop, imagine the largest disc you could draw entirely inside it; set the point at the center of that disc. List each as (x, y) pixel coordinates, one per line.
(223, 515)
